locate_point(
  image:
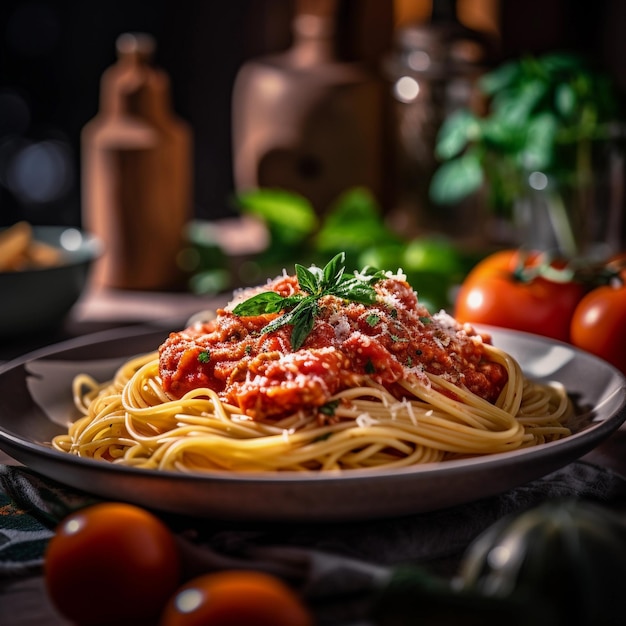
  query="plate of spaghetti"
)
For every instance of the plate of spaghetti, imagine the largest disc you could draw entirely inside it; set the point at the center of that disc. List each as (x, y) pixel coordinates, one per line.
(322, 395)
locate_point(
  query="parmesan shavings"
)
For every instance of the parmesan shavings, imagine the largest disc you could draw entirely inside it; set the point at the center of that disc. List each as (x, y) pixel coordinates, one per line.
(365, 419)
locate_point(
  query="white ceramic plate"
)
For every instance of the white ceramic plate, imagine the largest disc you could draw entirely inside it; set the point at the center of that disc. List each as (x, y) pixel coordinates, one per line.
(35, 399)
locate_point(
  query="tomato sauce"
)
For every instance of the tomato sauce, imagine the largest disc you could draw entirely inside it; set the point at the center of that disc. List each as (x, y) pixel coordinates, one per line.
(394, 339)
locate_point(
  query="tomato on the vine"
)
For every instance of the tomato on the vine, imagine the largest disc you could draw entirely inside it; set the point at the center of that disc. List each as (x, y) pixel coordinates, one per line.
(111, 563)
(599, 322)
(505, 289)
(236, 598)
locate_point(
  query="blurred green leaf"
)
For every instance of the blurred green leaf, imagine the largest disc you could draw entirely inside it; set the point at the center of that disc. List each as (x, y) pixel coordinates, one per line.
(565, 100)
(353, 222)
(499, 78)
(515, 109)
(383, 256)
(499, 136)
(210, 281)
(289, 216)
(542, 112)
(455, 133)
(456, 179)
(433, 254)
(555, 63)
(433, 292)
(538, 151)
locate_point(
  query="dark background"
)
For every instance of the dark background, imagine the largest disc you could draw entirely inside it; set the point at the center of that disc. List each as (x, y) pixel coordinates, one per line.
(52, 54)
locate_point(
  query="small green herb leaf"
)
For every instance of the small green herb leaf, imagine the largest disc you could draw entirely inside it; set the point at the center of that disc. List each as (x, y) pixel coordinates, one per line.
(329, 408)
(398, 339)
(204, 356)
(323, 437)
(372, 320)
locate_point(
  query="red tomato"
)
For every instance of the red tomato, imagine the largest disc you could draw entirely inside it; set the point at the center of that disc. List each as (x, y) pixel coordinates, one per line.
(111, 563)
(493, 294)
(236, 598)
(599, 323)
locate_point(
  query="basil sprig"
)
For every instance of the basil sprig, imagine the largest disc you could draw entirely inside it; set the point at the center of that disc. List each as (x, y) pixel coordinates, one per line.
(302, 309)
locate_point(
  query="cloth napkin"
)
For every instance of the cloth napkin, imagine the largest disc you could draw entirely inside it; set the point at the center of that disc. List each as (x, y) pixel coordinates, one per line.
(337, 567)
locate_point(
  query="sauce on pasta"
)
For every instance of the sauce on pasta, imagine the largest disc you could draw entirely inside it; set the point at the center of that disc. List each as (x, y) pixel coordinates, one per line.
(394, 339)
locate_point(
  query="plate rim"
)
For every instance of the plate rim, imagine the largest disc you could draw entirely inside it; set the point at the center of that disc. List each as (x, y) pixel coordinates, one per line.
(582, 441)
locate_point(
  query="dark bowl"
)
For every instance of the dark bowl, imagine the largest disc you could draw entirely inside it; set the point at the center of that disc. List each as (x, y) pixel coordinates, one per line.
(33, 300)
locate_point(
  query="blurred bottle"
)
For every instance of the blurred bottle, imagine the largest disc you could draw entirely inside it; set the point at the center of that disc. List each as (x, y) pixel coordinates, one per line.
(137, 173)
(311, 119)
(434, 68)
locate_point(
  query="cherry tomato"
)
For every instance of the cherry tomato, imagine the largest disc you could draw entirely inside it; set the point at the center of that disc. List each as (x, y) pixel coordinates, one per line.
(236, 598)
(111, 563)
(599, 323)
(493, 293)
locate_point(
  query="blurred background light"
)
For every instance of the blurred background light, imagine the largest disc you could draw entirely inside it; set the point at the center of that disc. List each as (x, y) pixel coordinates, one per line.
(538, 180)
(419, 60)
(406, 89)
(71, 239)
(40, 172)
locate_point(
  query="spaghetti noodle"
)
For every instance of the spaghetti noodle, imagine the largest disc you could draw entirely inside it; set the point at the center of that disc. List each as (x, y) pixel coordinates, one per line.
(380, 384)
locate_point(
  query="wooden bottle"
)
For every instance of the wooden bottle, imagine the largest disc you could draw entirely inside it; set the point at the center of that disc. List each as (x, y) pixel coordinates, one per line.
(307, 119)
(136, 173)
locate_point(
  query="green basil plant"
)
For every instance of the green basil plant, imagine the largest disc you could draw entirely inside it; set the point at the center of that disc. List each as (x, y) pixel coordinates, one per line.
(547, 117)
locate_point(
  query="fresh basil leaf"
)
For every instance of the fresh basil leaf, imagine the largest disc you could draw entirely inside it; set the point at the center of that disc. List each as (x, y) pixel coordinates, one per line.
(291, 301)
(264, 302)
(300, 310)
(355, 290)
(319, 276)
(302, 325)
(307, 280)
(333, 270)
(376, 276)
(279, 322)
(289, 317)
